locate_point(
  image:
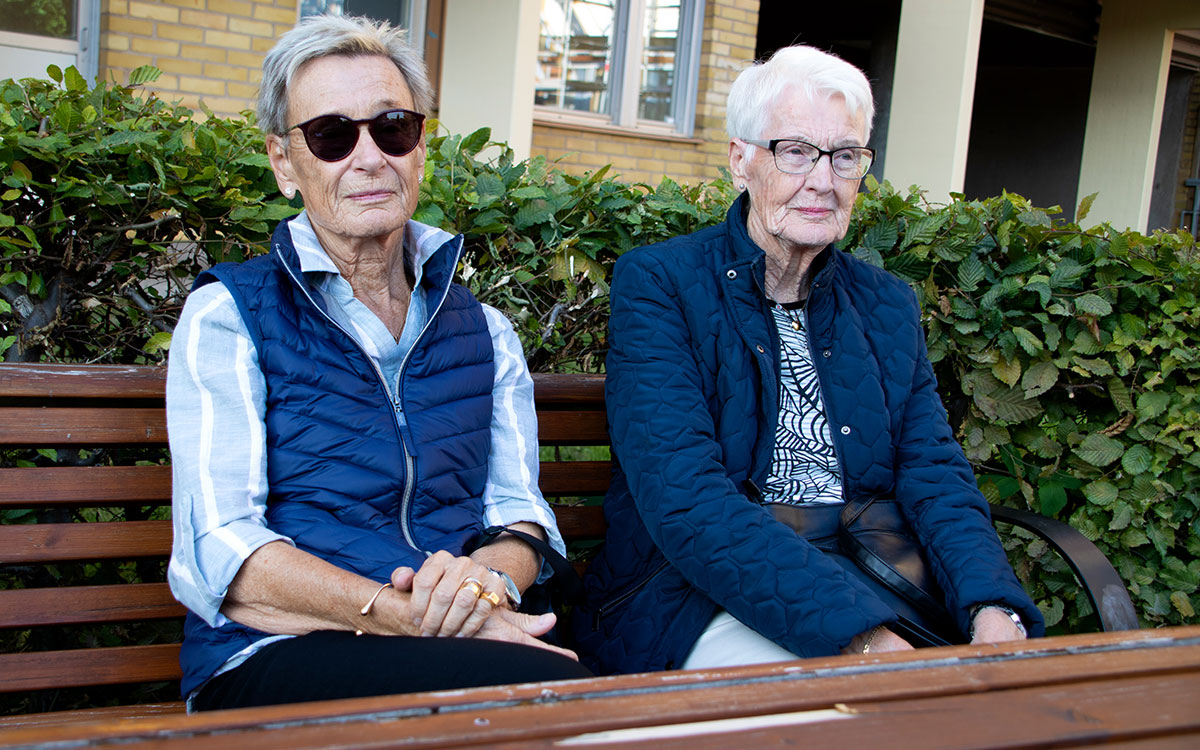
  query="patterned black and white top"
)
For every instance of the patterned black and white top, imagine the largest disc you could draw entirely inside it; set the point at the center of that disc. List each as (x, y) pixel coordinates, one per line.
(804, 466)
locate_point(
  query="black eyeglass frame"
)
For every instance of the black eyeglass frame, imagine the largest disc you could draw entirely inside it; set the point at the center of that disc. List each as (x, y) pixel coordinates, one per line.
(370, 122)
(772, 144)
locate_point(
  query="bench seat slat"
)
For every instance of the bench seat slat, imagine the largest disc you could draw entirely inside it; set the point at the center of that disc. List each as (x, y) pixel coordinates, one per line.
(85, 485)
(71, 605)
(56, 542)
(85, 667)
(42, 426)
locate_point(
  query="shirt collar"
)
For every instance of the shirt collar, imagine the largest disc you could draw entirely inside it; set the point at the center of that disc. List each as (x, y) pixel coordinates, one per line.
(420, 243)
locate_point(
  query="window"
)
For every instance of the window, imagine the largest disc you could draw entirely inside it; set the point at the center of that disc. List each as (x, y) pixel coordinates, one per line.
(35, 35)
(630, 63)
(407, 14)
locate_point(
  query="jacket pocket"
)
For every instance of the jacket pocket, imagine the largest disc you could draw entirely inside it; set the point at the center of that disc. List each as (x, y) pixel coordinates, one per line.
(606, 609)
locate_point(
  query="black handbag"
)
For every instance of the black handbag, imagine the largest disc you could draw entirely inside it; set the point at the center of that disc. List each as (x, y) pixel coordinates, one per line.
(870, 538)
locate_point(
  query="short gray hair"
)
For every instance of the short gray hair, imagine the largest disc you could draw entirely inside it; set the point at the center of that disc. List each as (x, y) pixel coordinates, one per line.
(815, 73)
(320, 36)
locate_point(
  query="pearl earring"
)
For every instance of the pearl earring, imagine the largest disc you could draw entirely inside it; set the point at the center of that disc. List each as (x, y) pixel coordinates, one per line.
(288, 193)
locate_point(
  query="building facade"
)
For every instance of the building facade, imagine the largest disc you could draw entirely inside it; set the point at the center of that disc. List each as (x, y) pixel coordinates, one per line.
(1054, 99)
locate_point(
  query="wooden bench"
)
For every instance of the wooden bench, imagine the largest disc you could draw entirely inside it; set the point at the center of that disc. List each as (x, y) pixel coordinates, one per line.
(51, 648)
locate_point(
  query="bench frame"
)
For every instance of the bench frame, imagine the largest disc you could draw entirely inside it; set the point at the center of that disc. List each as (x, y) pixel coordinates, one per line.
(114, 408)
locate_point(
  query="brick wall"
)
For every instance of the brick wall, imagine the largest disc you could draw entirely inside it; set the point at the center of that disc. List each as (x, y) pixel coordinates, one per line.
(208, 50)
(727, 45)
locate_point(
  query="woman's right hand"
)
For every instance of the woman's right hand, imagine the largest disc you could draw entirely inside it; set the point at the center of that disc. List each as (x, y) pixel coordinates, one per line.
(518, 627)
(883, 640)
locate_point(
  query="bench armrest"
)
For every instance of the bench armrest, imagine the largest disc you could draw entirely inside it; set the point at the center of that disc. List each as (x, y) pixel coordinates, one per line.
(1100, 581)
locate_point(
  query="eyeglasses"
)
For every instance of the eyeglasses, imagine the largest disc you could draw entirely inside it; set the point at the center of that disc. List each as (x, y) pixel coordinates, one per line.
(799, 157)
(333, 137)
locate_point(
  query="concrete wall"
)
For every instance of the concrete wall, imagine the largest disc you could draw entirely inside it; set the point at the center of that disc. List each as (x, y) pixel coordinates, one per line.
(932, 93)
(1125, 107)
(488, 65)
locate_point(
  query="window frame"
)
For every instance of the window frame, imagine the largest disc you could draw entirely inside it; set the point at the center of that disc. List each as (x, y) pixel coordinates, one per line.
(628, 45)
(85, 46)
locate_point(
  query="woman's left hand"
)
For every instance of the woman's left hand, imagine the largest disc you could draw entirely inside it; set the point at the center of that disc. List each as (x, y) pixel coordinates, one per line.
(452, 596)
(993, 625)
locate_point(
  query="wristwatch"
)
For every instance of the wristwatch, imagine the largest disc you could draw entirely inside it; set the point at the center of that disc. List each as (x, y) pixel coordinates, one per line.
(510, 588)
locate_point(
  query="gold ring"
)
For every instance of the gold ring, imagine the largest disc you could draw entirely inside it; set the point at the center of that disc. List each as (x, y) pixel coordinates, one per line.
(492, 597)
(475, 584)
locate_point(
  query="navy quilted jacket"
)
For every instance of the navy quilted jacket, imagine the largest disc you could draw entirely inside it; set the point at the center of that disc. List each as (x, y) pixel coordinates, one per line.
(692, 393)
(348, 482)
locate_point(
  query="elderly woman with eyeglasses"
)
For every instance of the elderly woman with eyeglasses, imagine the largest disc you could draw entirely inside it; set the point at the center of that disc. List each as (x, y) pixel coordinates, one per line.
(349, 427)
(755, 365)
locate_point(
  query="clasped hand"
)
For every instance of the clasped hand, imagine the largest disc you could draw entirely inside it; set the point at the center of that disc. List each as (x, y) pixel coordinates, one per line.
(443, 606)
(451, 596)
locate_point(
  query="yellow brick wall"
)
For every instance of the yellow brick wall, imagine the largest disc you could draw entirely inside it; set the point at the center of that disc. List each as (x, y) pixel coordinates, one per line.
(727, 45)
(208, 50)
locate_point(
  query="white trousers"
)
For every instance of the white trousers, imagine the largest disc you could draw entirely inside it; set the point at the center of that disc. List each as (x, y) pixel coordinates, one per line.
(726, 642)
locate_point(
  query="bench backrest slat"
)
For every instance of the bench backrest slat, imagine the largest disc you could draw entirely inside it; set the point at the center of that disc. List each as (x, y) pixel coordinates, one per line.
(85, 485)
(21, 380)
(559, 478)
(572, 428)
(34, 426)
(117, 665)
(91, 604)
(55, 542)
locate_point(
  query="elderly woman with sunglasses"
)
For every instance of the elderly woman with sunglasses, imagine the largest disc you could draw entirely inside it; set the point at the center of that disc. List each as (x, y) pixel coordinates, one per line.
(349, 427)
(753, 365)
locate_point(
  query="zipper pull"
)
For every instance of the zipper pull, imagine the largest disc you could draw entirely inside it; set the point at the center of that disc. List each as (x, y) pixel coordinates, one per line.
(753, 492)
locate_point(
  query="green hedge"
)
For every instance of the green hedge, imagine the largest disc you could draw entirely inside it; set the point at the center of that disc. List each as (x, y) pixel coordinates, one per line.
(1066, 356)
(1067, 359)
(111, 201)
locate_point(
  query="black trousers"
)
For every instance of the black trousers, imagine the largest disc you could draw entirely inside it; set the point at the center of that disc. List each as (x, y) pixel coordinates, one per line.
(335, 664)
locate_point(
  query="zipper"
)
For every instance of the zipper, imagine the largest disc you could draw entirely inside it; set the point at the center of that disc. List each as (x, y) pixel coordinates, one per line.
(808, 339)
(409, 462)
(629, 593)
(410, 474)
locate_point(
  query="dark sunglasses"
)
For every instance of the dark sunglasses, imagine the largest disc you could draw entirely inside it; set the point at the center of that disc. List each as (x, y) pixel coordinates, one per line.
(333, 137)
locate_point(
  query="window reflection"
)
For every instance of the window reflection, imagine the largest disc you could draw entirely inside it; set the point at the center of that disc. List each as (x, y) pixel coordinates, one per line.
(55, 18)
(575, 55)
(657, 91)
(394, 11)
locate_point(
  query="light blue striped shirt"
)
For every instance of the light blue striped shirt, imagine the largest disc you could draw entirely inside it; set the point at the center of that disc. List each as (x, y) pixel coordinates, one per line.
(216, 403)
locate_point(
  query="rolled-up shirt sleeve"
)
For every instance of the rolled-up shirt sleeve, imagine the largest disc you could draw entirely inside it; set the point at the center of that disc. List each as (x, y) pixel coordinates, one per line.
(511, 494)
(216, 401)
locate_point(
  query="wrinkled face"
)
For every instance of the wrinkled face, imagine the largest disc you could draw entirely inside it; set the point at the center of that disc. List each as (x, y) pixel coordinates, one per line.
(799, 213)
(368, 193)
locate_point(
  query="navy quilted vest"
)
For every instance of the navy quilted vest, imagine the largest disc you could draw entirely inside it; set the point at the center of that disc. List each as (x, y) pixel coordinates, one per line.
(348, 482)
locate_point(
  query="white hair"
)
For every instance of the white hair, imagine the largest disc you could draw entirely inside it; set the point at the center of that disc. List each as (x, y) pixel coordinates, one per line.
(817, 75)
(321, 36)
